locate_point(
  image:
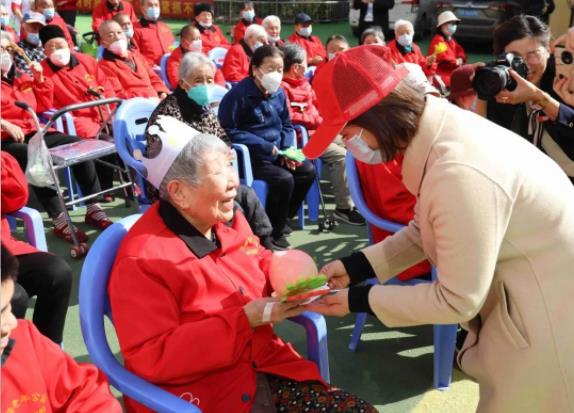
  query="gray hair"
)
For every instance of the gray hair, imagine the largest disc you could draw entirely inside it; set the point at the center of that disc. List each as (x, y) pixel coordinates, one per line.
(401, 22)
(255, 30)
(188, 164)
(270, 19)
(190, 62)
(293, 54)
(373, 31)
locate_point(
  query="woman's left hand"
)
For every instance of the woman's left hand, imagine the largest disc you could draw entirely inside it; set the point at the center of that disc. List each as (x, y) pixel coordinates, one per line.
(289, 164)
(336, 304)
(525, 91)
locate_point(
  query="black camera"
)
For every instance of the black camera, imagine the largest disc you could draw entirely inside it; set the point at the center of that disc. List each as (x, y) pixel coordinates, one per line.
(493, 78)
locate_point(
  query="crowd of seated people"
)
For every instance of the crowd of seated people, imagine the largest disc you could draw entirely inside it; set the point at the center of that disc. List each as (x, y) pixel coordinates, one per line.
(270, 90)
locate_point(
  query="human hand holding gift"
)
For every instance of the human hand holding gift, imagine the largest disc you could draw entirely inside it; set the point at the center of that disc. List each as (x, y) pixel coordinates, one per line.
(294, 277)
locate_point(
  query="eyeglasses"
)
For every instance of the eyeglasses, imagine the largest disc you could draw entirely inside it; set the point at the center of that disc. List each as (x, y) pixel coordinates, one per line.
(533, 57)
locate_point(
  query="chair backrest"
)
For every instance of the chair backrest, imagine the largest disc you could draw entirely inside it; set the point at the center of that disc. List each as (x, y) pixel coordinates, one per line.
(94, 305)
(217, 94)
(130, 122)
(163, 70)
(244, 164)
(217, 56)
(100, 53)
(357, 195)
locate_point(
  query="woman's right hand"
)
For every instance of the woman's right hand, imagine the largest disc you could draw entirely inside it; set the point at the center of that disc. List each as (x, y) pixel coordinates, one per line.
(279, 312)
(14, 131)
(336, 274)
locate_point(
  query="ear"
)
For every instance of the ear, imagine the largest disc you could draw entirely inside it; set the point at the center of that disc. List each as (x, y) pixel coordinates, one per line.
(178, 194)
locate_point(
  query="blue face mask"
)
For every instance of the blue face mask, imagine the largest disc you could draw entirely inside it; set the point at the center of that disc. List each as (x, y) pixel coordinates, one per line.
(5, 20)
(361, 151)
(200, 94)
(152, 13)
(405, 40)
(129, 32)
(248, 15)
(49, 13)
(451, 29)
(33, 38)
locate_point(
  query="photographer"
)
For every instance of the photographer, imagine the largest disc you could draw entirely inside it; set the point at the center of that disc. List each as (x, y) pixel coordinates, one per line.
(528, 105)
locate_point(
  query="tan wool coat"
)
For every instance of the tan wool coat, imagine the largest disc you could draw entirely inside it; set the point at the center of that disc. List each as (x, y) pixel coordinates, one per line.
(496, 217)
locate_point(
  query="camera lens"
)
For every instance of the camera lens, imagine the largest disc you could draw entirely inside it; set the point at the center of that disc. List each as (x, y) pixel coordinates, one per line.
(566, 57)
(490, 81)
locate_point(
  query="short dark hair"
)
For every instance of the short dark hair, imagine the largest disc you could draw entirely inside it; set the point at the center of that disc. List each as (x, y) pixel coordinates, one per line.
(334, 37)
(519, 27)
(292, 54)
(9, 265)
(261, 54)
(395, 119)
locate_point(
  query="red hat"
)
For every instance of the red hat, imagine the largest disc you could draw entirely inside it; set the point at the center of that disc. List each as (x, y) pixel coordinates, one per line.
(461, 82)
(347, 86)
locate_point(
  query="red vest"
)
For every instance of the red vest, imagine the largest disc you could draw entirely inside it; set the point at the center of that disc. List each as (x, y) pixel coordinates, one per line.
(71, 83)
(154, 39)
(14, 197)
(312, 45)
(446, 61)
(183, 326)
(39, 377)
(302, 103)
(24, 88)
(172, 69)
(236, 64)
(387, 196)
(126, 83)
(415, 56)
(240, 27)
(212, 37)
(102, 13)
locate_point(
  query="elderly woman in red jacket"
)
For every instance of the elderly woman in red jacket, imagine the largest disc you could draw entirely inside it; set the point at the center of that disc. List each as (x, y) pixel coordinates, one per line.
(18, 128)
(449, 54)
(236, 64)
(404, 50)
(197, 319)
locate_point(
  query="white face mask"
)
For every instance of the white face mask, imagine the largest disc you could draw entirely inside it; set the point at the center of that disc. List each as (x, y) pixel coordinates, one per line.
(361, 151)
(119, 47)
(331, 56)
(196, 46)
(306, 31)
(256, 45)
(205, 25)
(5, 62)
(405, 40)
(271, 81)
(60, 57)
(274, 39)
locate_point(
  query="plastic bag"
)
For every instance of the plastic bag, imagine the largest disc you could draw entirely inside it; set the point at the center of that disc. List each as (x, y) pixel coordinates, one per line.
(39, 162)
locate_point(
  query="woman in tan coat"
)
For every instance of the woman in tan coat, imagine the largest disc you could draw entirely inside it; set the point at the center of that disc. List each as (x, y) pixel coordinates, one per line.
(494, 215)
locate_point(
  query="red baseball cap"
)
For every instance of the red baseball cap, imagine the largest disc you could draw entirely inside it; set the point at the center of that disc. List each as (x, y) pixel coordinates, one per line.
(347, 86)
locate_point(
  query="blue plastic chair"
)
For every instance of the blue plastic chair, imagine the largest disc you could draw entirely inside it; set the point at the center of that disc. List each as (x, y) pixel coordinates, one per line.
(312, 197)
(444, 335)
(129, 126)
(94, 306)
(33, 226)
(163, 70)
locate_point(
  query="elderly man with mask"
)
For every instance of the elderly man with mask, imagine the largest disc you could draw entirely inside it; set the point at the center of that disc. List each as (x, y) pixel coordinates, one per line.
(196, 274)
(303, 36)
(272, 25)
(30, 43)
(404, 50)
(129, 73)
(46, 7)
(189, 103)
(107, 9)
(153, 36)
(211, 34)
(128, 27)
(190, 41)
(236, 65)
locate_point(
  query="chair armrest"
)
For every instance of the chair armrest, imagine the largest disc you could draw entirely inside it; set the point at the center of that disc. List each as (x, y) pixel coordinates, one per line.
(34, 227)
(316, 332)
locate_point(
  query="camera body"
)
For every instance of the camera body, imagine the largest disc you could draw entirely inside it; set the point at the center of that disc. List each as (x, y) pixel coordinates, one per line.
(564, 65)
(493, 78)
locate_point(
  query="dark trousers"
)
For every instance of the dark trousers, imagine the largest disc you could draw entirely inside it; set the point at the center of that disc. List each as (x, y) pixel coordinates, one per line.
(85, 172)
(287, 189)
(254, 212)
(69, 16)
(49, 278)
